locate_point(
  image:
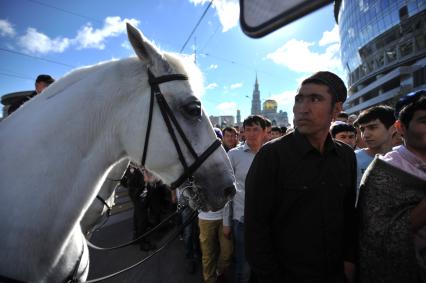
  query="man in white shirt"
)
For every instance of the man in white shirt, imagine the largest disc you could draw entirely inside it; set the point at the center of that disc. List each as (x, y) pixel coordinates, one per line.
(255, 130)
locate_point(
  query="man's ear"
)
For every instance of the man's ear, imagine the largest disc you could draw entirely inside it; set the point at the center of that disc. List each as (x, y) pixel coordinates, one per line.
(400, 128)
(338, 107)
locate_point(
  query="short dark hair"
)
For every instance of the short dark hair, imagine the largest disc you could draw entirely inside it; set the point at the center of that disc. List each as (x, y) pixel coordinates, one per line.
(45, 78)
(334, 83)
(283, 129)
(384, 113)
(341, 127)
(407, 112)
(268, 122)
(343, 115)
(277, 129)
(229, 129)
(255, 120)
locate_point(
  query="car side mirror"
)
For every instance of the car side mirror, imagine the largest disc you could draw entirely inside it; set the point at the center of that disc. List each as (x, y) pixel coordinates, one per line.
(261, 17)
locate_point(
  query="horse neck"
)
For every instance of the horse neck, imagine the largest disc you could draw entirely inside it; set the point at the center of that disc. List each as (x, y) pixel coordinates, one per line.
(56, 162)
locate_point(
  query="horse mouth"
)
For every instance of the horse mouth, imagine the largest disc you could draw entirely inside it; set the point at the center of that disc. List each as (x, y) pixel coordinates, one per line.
(197, 199)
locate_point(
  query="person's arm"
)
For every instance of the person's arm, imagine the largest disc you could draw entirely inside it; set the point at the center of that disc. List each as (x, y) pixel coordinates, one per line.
(350, 224)
(259, 213)
(226, 218)
(418, 216)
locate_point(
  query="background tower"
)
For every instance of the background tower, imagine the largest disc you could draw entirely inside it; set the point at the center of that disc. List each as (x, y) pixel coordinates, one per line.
(238, 117)
(255, 101)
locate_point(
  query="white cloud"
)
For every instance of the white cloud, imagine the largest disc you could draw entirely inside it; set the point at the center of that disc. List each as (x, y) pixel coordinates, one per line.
(227, 108)
(213, 67)
(6, 28)
(329, 37)
(126, 45)
(299, 56)
(236, 85)
(36, 42)
(88, 37)
(212, 86)
(227, 10)
(285, 98)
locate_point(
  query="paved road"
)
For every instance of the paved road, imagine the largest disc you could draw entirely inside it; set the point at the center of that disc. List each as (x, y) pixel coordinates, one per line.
(168, 266)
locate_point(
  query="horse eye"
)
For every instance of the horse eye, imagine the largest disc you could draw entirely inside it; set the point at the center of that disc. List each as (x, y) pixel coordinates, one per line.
(193, 109)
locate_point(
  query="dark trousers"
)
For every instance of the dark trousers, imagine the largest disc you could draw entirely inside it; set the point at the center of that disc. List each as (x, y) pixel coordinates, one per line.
(140, 211)
(190, 236)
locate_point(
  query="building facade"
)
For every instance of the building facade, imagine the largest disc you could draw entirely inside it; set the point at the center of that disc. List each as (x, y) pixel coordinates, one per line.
(270, 108)
(222, 121)
(383, 49)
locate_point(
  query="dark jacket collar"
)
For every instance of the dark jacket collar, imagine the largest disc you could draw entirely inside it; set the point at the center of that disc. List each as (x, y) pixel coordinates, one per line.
(303, 145)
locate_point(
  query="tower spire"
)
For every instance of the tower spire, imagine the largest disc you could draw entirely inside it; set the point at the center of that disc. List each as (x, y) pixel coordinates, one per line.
(255, 102)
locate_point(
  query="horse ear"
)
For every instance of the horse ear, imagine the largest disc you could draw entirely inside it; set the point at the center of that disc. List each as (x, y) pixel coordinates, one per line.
(142, 47)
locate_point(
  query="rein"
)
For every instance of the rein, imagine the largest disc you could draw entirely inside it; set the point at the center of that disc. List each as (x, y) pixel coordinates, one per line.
(173, 236)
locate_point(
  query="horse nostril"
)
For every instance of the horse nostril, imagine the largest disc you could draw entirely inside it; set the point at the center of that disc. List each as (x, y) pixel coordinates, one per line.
(229, 192)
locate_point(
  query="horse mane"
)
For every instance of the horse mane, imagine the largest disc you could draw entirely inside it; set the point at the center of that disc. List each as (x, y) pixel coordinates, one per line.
(180, 65)
(75, 76)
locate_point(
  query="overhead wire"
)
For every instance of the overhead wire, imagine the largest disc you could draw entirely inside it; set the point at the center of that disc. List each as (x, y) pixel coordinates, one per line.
(15, 76)
(196, 26)
(65, 11)
(37, 57)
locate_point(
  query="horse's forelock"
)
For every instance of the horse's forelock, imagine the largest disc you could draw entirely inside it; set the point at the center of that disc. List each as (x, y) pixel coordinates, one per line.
(185, 65)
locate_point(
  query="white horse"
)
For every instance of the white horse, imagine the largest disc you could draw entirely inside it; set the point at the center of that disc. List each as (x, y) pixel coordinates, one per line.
(95, 214)
(57, 150)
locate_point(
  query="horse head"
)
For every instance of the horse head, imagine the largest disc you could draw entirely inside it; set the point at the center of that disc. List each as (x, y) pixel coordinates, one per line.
(213, 179)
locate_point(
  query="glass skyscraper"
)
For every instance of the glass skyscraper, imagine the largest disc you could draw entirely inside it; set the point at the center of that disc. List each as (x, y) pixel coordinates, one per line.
(383, 49)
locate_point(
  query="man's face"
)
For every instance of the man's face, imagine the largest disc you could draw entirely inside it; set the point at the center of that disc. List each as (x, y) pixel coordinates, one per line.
(40, 86)
(313, 110)
(347, 137)
(415, 135)
(255, 135)
(268, 135)
(275, 134)
(375, 134)
(230, 139)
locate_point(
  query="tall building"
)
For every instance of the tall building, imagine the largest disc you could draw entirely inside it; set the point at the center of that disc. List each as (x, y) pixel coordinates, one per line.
(255, 101)
(238, 117)
(383, 49)
(269, 110)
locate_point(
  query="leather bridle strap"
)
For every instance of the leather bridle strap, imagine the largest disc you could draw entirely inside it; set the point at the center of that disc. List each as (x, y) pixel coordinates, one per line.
(105, 204)
(170, 121)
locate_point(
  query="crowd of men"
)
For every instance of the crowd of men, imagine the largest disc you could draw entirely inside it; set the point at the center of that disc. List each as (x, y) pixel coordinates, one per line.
(337, 198)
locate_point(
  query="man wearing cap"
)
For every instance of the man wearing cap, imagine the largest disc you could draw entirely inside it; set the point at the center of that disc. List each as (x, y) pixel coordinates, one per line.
(392, 203)
(300, 193)
(41, 83)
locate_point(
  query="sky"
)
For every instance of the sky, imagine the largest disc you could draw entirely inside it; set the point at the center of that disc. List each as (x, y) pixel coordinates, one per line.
(55, 37)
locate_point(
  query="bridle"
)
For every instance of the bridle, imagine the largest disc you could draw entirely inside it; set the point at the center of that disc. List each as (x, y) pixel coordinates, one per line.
(171, 123)
(170, 120)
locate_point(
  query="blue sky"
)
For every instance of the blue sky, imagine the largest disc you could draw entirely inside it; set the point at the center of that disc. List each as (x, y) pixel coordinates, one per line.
(70, 34)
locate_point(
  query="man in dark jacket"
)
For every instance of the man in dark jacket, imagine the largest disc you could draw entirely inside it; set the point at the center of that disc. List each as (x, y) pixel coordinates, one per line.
(300, 194)
(138, 192)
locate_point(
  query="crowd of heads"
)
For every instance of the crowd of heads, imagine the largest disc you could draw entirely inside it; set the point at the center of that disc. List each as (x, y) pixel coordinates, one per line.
(255, 131)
